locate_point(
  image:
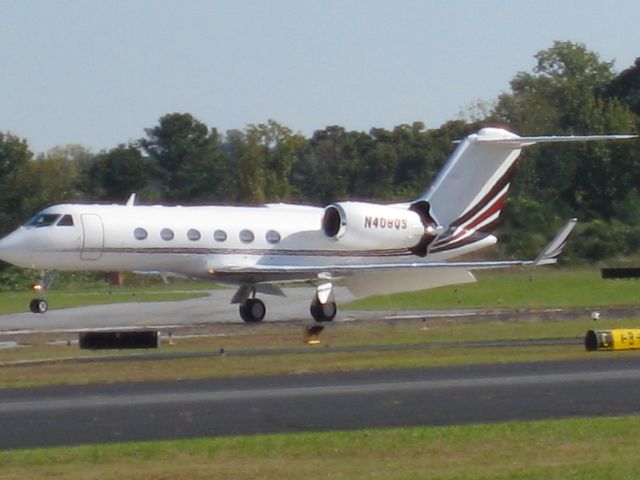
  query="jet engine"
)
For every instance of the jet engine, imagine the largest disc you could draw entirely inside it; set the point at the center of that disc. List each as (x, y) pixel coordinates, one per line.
(370, 226)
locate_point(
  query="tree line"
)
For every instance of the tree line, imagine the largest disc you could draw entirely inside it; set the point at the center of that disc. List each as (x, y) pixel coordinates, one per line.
(183, 161)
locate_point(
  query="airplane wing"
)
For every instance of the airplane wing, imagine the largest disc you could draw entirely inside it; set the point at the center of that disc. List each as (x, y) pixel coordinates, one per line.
(368, 279)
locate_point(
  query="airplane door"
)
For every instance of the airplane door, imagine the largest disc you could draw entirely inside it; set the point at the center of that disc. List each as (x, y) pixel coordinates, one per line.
(92, 238)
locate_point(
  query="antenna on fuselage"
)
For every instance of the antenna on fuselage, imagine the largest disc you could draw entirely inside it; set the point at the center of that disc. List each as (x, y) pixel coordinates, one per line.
(132, 200)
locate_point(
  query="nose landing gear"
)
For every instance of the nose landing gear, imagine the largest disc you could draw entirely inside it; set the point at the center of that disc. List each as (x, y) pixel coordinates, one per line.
(40, 305)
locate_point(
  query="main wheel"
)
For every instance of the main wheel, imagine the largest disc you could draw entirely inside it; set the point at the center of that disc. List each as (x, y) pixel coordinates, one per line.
(323, 312)
(252, 310)
(38, 305)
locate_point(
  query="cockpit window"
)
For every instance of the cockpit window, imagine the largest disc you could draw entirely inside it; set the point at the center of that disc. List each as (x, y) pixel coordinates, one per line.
(43, 220)
(66, 221)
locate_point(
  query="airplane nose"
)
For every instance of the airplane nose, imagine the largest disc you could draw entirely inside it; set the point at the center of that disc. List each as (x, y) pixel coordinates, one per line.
(14, 249)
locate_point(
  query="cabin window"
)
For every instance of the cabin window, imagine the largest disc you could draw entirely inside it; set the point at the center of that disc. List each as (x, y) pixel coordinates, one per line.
(66, 221)
(43, 220)
(272, 236)
(219, 235)
(166, 234)
(193, 235)
(140, 233)
(246, 236)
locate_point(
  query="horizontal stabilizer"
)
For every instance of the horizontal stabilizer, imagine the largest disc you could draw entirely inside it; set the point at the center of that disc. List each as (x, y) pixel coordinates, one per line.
(526, 141)
(362, 284)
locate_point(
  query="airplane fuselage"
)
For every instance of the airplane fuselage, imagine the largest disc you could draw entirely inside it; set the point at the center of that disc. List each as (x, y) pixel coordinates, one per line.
(201, 242)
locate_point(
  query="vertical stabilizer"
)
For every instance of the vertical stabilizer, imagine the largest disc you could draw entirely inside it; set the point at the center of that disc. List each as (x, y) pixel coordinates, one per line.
(469, 193)
(471, 188)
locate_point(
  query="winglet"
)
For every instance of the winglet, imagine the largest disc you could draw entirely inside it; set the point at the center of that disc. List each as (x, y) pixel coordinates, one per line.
(553, 250)
(132, 200)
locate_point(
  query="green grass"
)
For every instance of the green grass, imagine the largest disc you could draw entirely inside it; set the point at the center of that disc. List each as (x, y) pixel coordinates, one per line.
(591, 448)
(441, 342)
(16, 302)
(286, 364)
(519, 288)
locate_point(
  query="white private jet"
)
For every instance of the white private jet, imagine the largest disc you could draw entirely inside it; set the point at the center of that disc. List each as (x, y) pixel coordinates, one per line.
(376, 248)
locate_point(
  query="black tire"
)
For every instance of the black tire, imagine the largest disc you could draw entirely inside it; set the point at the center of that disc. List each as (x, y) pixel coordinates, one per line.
(38, 305)
(323, 312)
(252, 310)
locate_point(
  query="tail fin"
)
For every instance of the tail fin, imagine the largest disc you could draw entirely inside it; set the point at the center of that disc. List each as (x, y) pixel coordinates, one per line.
(470, 190)
(475, 179)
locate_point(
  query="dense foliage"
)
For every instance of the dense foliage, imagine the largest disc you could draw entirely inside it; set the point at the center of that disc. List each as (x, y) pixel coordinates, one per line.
(183, 161)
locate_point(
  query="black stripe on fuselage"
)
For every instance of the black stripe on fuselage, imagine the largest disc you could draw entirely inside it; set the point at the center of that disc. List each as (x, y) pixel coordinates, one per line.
(246, 251)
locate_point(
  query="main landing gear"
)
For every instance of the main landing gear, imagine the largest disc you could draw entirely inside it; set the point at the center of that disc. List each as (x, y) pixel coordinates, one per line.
(323, 312)
(252, 310)
(40, 305)
(323, 306)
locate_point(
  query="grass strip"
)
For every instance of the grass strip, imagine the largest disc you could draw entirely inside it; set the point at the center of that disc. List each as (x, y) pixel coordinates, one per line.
(585, 448)
(448, 338)
(517, 288)
(286, 364)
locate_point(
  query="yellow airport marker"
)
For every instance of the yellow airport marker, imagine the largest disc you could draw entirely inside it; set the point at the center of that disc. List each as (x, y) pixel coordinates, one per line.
(615, 339)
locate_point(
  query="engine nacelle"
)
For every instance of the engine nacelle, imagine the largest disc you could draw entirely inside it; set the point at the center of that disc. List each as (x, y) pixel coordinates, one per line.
(369, 226)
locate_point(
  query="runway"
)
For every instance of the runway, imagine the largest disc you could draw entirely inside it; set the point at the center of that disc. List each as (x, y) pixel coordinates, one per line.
(216, 308)
(51, 416)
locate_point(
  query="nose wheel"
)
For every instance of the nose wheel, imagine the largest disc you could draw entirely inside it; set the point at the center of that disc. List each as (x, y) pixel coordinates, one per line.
(38, 305)
(252, 310)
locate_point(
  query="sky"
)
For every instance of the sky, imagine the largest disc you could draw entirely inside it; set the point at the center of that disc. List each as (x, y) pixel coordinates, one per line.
(98, 73)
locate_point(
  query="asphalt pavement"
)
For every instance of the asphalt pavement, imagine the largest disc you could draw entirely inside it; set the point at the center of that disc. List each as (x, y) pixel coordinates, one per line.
(70, 415)
(215, 307)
